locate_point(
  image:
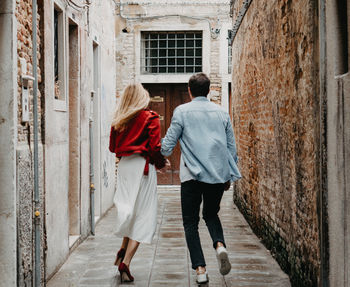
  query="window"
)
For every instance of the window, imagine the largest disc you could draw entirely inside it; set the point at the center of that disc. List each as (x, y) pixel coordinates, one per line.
(59, 54)
(229, 62)
(171, 52)
(341, 38)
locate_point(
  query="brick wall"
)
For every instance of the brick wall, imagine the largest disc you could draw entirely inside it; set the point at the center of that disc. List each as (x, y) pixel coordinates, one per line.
(24, 50)
(276, 124)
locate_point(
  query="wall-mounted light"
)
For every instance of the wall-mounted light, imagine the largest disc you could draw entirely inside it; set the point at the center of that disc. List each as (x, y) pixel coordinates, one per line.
(126, 30)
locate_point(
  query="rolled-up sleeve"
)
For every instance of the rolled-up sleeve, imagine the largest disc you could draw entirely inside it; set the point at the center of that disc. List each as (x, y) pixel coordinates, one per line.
(173, 134)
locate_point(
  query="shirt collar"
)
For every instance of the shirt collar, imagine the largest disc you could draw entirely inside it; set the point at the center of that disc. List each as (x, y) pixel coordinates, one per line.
(200, 99)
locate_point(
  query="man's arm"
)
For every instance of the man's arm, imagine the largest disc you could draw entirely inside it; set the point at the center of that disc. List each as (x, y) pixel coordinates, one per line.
(230, 137)
(173, 134)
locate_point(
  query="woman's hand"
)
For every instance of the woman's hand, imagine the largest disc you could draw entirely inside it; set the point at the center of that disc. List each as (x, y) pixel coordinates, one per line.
(166, 167)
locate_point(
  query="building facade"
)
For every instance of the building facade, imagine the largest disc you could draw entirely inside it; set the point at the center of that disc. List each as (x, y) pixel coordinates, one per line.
(291, 117)
(162, 43)
(76, 97)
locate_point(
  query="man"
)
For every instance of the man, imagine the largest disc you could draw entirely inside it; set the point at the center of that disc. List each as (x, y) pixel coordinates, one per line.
(208, 164)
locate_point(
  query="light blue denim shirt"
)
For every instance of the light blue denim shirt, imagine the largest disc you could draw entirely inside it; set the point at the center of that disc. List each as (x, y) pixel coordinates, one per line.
(207, 141)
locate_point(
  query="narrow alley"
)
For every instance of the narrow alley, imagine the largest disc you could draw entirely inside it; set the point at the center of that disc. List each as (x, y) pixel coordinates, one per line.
(166, 262)
(279, 72)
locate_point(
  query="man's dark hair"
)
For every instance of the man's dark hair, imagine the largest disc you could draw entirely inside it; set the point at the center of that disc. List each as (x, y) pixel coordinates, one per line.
(199, 85)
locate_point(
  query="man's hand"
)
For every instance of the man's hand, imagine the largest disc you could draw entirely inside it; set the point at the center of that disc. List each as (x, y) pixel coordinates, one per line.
(166, 167)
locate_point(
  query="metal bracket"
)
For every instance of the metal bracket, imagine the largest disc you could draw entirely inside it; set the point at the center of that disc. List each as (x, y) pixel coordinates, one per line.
(239, 20)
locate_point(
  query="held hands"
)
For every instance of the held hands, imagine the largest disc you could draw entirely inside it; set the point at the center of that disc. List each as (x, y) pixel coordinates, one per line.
(166, 167)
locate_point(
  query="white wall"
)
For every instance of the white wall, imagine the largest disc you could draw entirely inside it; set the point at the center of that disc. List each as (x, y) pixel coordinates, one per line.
(8, 142)
(99, 28)
(338, 150)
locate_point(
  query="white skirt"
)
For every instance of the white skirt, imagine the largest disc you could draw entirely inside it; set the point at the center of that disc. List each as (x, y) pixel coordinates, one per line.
(136, 199)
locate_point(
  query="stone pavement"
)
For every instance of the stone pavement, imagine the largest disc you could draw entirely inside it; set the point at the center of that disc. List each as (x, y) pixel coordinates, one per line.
(166, 261)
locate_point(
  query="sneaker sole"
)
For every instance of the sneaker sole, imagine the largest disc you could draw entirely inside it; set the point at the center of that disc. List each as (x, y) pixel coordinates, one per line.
(225, 265)
(206, 280)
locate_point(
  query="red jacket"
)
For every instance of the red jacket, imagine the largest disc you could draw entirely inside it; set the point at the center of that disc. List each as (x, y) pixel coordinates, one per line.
(141, 136)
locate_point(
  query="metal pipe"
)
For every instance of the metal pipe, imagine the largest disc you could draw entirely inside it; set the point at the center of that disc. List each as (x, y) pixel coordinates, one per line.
(92, 186)
(36, 159)
(323, 194)
(240, 17)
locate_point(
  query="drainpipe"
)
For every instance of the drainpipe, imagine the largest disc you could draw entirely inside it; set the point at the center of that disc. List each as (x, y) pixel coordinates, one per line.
(323, 195)
(92, 186)
(36, 160)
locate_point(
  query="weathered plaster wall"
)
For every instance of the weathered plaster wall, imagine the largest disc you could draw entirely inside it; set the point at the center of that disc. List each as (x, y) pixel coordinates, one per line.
(98, 28)
(337, 99)
(276, 111)
(8, 142)
(105, 34)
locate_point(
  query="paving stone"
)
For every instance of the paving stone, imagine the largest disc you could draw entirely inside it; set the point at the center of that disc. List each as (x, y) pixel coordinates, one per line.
(166, 261)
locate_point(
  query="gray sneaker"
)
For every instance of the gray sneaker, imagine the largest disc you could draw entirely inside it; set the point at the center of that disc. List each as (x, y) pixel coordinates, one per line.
(224, 262)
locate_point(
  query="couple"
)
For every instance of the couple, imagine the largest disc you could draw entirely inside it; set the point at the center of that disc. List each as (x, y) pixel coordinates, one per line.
(208, 165)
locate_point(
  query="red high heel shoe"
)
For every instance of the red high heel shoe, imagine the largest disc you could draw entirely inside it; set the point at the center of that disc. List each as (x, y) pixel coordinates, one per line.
(125, 275)
(120, 256)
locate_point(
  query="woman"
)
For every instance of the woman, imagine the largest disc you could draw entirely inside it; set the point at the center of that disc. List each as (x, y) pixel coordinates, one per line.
(135, 138)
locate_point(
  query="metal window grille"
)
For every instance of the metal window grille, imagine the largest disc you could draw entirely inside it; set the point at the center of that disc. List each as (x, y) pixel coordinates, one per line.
(229, 62)
(171, 52)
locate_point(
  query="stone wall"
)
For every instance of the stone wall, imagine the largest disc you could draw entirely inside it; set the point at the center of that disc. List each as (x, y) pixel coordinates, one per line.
(275, 104)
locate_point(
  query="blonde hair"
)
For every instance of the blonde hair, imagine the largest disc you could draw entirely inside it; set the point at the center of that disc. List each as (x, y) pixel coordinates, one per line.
(134, 99)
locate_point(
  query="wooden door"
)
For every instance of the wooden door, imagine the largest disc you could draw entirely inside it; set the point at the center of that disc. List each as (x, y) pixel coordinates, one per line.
(164, 99)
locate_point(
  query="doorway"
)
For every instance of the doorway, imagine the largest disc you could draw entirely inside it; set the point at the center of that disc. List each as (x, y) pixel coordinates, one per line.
(164, 99)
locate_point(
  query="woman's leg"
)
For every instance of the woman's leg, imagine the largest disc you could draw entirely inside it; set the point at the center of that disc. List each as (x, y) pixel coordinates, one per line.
(130, 251)
(125, 243)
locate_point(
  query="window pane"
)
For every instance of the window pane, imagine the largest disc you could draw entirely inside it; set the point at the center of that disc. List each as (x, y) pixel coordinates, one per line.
(199, 52)
(189, 70)
(180, 70)
(189, 52)
(180, 61)
(189, 62)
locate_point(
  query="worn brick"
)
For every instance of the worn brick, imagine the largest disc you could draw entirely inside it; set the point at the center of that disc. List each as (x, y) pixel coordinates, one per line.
(275, 120)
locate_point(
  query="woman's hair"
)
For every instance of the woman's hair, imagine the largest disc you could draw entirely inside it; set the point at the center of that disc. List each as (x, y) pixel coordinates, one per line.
(134, 99)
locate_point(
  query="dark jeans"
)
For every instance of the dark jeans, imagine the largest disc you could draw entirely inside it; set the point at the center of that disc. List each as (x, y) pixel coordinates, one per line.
(192, 193)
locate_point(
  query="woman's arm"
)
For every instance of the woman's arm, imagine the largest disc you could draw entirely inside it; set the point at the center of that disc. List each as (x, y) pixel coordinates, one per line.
(112, 143)
(156, 157)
